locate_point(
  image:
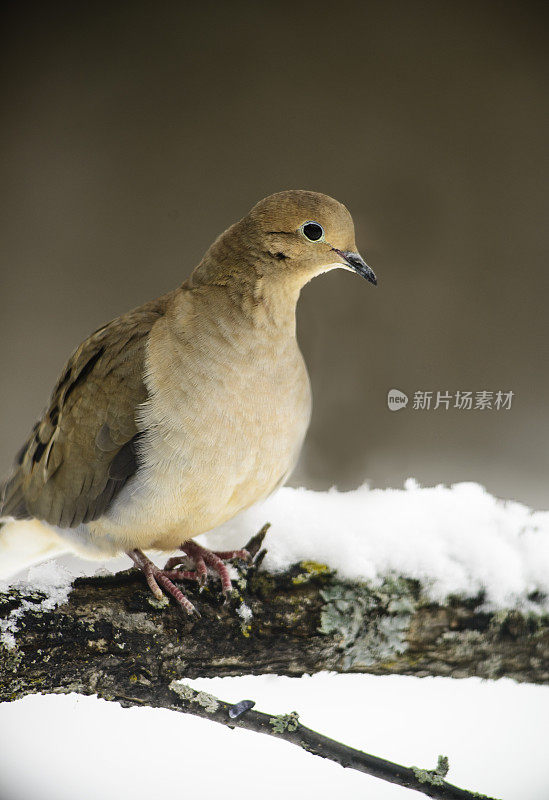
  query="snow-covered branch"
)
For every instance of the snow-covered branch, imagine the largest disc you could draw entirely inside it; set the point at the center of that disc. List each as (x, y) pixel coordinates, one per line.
(105, 634)
(107, 637)
(421, 582)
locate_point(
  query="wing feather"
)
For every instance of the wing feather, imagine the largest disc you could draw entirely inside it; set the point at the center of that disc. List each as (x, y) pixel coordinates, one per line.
(85, 448)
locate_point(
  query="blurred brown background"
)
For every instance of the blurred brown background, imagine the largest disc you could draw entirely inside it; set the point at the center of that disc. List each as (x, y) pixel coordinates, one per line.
(133, 133)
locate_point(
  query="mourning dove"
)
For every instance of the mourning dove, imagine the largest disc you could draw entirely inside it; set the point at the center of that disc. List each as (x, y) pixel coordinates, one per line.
(176, 416)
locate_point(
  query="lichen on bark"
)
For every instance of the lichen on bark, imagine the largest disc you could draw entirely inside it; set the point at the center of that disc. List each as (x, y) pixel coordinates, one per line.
(107, 638)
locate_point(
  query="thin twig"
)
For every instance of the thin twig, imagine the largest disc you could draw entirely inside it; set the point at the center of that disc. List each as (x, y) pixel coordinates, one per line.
(288, 727)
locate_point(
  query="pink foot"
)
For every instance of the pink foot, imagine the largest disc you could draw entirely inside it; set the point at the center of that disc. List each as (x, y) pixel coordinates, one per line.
(155, 576)
(204, 558)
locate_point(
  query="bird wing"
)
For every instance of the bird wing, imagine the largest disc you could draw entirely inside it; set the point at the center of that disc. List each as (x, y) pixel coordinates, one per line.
(84, 449)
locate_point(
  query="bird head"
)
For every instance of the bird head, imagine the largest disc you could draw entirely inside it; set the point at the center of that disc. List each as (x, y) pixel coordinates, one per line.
(286, 239)
(307, 233)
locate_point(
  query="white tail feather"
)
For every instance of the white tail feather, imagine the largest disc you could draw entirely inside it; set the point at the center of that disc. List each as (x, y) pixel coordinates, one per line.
(24, 543)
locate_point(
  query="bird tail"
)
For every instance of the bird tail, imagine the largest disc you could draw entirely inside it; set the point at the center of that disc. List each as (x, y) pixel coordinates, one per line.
(12, 499)
(25, 542)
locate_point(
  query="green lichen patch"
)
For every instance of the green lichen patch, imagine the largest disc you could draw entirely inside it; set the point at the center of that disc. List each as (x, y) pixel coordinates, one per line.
(369, 623)
(208, 702)
(285, 722)
(158, 604)
(310, 570)
(443, 766)
(433, 776)
(11, 657)
(513, 624)
(464, 643)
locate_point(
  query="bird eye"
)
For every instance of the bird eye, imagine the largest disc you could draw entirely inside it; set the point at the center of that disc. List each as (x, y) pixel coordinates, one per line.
(313, 231)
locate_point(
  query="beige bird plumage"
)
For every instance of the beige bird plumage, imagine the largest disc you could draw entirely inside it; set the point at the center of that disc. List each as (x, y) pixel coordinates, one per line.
(176, 416)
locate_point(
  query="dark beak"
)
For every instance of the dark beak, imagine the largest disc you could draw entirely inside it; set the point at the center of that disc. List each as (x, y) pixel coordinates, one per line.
(356, 262)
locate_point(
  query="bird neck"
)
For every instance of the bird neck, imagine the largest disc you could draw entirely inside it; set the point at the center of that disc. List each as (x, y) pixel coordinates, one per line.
(247, 297)
(256, 308)
(267, 304)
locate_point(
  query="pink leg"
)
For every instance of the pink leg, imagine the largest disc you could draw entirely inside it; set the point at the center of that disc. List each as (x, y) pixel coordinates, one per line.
(172, 562)
(201, 568)
(155, 576)
(228, 554)
(180, 574)
(201, 571)
(202, 557)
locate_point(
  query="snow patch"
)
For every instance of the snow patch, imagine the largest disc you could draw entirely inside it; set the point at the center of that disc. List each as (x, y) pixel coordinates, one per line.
(244, 612)
(50, 580)
(457, 540)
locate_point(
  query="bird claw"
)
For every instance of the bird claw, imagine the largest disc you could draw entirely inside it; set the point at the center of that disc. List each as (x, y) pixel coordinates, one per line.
(202, 559)
(157, 578)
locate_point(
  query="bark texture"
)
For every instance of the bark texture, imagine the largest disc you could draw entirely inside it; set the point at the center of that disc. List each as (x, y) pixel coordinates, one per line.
(111, 637)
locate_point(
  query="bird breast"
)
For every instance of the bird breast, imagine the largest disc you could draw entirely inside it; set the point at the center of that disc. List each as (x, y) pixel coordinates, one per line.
(223, 427)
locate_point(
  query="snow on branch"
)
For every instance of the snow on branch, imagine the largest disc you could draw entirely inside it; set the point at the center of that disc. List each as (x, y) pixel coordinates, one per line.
(420, 582)
(109, 637)
(456, 541)
(105, 631)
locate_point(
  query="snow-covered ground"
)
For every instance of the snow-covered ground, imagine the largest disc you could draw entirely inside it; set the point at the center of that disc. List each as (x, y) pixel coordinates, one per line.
(455, 540)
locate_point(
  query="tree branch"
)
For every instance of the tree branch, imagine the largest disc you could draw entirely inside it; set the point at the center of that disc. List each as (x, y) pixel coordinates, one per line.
(303, 620)
(180, 697)
(111, 639)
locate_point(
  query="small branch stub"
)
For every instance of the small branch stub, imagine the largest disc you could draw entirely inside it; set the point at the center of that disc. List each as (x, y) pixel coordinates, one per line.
(433, 776)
